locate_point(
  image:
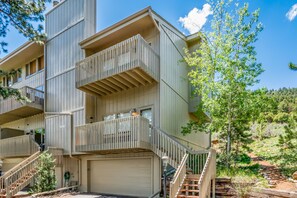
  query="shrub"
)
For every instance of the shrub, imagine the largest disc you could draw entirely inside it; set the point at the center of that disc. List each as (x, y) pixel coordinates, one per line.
(46, 179)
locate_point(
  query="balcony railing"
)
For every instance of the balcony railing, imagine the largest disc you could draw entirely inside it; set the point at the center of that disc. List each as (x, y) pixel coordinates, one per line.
(18, 146)
(118, 134)
(11, 109)
(128, 64)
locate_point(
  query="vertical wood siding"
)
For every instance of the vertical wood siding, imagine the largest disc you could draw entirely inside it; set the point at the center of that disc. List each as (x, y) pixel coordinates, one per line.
(62, 95)
(173, 83)
(174, 87)
(145, 96)
(68, 13)
(64, 51)
(66, 25)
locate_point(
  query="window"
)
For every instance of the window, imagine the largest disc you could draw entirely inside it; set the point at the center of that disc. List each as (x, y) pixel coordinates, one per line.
(8, 81)
(41, 63)
(18, 76)
(31, 68)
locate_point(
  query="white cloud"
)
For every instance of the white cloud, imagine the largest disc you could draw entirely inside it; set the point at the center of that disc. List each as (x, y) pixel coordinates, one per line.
(196, 18)
(292, 13)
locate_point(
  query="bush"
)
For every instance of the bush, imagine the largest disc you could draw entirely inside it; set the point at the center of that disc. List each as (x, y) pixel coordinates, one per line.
(46, 179)
(281, 117)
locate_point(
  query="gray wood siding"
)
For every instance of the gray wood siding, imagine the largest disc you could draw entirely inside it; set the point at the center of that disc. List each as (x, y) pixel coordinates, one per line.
(146, 96)
(64, 51)
(66, 25)
(67, 13)
(174, 85)
(62, 96)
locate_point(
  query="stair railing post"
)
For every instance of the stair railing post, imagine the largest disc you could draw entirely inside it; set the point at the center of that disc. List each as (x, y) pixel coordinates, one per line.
(7, 189)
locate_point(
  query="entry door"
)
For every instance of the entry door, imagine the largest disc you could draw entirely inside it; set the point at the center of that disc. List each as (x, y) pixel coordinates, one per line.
(148, 114)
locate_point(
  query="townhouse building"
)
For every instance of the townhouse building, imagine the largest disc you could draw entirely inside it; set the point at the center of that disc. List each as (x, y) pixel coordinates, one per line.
(110, 104)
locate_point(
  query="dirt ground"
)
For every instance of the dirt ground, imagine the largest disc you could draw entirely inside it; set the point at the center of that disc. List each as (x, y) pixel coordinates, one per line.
(273, 175)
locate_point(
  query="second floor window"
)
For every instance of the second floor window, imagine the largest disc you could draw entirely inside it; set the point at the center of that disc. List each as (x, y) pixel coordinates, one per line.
(31, 68)
(41, 63)
(17, 77)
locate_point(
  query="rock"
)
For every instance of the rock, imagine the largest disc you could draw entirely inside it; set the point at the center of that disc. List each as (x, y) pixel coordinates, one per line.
(294, 176)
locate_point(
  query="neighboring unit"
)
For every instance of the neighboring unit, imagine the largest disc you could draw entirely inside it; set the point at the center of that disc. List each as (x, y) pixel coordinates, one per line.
(21, 123)
(115, 102)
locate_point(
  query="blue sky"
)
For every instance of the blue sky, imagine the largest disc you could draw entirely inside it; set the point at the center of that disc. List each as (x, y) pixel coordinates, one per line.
(276, 47)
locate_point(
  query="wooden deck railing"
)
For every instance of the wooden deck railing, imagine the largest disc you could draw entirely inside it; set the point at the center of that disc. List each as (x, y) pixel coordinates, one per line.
(123, 133)
(178, 178)
(126, 55)
(197, 160)
(18, 146)
(208, 174)
(36, 97)
(162, 144)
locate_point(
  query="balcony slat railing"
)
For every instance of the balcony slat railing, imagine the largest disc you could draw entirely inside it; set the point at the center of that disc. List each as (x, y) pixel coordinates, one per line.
(36, 98)
(18, 146)
(126, 55)
(123, 133)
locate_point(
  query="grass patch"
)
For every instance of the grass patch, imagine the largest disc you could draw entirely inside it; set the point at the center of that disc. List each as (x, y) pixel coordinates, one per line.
(244, 178)
(269, 150)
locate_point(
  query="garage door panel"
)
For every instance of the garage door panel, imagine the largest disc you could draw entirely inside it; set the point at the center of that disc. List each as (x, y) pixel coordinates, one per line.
(121, 176)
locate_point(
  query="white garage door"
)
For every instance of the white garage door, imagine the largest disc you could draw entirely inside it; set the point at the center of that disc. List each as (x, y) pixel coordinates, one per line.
(121, 177)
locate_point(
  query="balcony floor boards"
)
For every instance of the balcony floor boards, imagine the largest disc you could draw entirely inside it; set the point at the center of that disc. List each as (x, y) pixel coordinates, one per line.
(119, 82)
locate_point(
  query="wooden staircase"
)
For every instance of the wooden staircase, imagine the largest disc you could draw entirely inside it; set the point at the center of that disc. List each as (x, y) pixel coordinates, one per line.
(202, 165)
(190, 187)
(19, 176)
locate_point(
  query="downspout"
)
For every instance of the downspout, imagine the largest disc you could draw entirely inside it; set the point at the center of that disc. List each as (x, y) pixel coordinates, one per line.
(70, 140)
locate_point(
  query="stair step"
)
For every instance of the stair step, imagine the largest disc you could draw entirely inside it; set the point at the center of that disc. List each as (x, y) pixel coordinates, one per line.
(187, 196)
(189, 190)
(192, 185)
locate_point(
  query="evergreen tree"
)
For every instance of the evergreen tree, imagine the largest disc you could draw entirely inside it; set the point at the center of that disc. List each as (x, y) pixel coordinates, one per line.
(288, 142)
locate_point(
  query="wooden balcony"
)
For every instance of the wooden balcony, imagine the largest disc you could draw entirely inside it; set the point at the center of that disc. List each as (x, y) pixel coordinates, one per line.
(128, 64)
(119, 135)
(11, 109)
(19, 146)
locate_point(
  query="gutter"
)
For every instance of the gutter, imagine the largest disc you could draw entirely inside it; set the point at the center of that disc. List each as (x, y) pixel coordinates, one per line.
(70, 140)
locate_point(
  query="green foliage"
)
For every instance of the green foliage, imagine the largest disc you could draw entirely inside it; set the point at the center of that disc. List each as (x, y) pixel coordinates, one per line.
(223, 69)
(271, 150)
(243, 177)
(22, 15)
(6, 92)
(288, 142)
(46, 179)
(243, 159)
(293, 66)
(281, 117)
